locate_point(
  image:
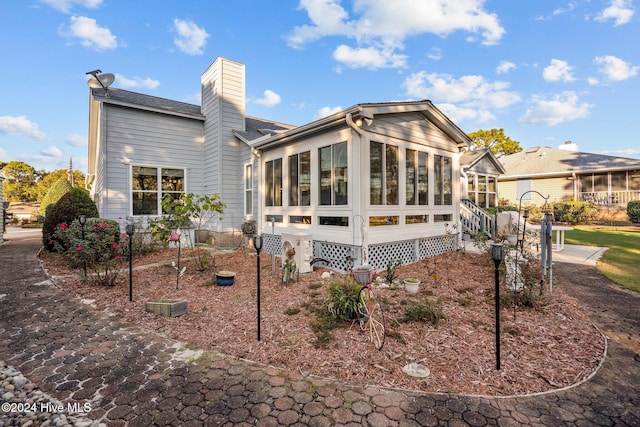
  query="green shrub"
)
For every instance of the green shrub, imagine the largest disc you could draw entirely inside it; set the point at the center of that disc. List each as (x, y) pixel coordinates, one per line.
(633, 210)
(573, 212)
(59, 188)
(65, 211)
(343, 300)
(424, 312)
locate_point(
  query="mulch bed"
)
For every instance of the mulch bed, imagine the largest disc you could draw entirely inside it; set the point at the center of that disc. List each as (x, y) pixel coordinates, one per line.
(548, 346)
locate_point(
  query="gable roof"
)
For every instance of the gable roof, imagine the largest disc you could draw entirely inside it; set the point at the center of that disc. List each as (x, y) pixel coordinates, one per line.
(368, 111)
(147, 102)
(547, 161)
(257, 128)
(471, 158)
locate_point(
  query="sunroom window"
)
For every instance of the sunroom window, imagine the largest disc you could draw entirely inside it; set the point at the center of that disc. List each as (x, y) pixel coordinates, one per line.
(417, 181)
(300, 179)
(443, 176)
(383, 174)
(333, 174)
(273, 183)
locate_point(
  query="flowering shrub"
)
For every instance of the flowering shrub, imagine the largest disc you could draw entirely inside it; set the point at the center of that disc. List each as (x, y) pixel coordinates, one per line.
(99, 252)
(188, 211)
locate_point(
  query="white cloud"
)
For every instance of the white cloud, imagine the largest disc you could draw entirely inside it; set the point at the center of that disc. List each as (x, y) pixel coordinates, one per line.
(20, 125)
(435, 54)
(558, 71)
(328, 19)
(615, 68)
(65, 6)
(77, 140)
(621, 11)
(52, 151)
(382, 25)
(4, 157)
(505, 66)
(327, 111)
(191, 39)
(136, 82)
(571, 6)
(560, 108)
(269, 99)
(91, 35)
(459, 114)
(470, 92)
(369, 57)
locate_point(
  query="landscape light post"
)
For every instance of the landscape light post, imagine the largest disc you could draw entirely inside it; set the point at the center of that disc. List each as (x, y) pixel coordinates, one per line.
(497, 254)
(130, 228)
(83, 220)
(257, 243)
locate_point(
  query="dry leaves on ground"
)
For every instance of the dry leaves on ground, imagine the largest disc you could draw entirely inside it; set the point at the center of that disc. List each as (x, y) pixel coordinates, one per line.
(546, 347)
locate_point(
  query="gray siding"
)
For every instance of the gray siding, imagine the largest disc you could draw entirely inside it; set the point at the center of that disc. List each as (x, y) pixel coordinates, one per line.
(137, 137)
(223, 104)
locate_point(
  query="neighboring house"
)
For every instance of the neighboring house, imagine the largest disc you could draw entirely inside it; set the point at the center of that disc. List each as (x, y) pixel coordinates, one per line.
(567, 174)
(370, 184)
(23, 212)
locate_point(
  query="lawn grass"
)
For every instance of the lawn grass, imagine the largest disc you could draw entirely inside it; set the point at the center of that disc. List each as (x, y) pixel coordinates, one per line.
(621, 263)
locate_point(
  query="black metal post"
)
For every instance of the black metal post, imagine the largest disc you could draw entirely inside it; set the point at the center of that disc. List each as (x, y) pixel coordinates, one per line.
(178, 269)
(130, 230)
(83, 220)
(497, 254)
(257, 243)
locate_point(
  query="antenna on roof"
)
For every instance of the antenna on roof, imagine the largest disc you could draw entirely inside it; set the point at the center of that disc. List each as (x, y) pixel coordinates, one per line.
(100, 80)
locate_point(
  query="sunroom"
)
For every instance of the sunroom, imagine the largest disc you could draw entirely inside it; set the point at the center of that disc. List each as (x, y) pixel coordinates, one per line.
(371, 184)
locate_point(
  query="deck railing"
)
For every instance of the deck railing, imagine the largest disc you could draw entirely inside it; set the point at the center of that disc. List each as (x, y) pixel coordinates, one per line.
(474, 219)
(605, 198)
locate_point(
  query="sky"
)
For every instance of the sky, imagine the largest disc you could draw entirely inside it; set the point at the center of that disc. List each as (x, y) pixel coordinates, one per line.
(545, 71)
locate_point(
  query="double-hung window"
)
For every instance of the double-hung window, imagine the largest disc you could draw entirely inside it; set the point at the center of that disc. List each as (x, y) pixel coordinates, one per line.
(333, 174)
(300, 179)
(150, 184)
(273, 183)
(383, 174)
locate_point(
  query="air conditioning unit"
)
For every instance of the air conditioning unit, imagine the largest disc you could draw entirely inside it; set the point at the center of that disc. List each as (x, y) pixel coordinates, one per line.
(303, 245)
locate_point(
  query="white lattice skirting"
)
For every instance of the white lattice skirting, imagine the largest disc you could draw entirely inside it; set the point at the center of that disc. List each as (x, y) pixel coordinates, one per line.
(343, 257)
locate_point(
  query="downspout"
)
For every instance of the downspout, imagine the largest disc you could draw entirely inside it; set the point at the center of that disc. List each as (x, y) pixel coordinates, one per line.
(360, 132)
(575, 186)
(258, 173)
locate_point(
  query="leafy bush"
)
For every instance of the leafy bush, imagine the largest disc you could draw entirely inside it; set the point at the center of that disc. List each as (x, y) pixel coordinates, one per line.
(59, 188)
(391, 273)
(573, 212)
(633, 210)
(424, 312)
(65, 211)
(343, 300)
(188, 211)
(99, 251)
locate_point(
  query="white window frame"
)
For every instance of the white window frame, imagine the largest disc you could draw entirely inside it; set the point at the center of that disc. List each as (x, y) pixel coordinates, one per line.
(248, 189)
(159, 191)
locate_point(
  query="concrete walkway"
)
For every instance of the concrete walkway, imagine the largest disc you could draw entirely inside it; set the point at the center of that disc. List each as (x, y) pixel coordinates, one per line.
(124, 376)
